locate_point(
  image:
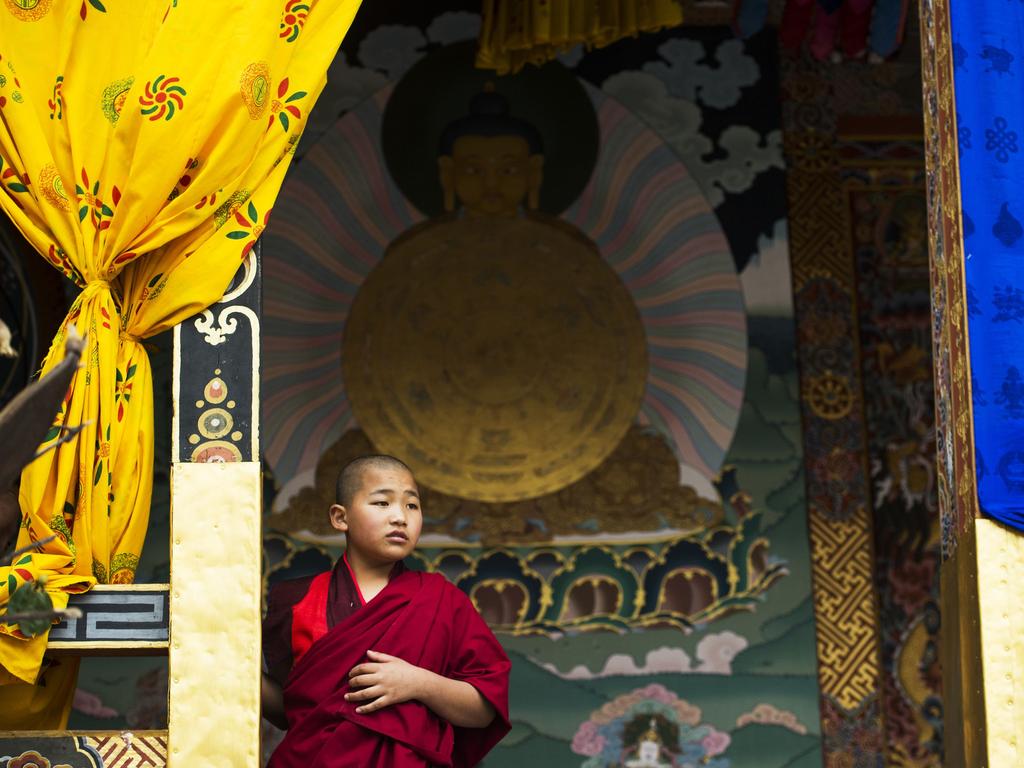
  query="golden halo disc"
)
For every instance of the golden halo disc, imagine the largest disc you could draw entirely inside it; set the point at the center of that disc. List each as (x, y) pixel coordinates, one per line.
(502, 359)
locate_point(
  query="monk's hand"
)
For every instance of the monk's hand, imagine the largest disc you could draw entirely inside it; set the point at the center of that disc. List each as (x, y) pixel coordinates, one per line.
(382, 681)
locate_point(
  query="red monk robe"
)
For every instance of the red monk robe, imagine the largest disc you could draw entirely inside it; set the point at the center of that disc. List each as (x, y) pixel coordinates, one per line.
(418, 617)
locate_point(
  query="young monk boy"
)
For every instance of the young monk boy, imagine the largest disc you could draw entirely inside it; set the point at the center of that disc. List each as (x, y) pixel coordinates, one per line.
(373, 665)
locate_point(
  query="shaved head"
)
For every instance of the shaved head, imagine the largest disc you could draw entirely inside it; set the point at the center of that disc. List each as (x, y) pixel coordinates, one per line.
(351, 478)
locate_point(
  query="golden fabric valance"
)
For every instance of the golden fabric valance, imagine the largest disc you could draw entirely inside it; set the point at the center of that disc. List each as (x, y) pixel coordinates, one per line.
(519, 32)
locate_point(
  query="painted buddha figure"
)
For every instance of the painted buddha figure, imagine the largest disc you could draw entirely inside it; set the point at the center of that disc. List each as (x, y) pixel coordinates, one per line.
(492, 345)
(490, 163)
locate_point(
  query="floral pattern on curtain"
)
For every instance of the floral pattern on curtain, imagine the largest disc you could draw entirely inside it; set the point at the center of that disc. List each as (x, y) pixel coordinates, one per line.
(142, 145)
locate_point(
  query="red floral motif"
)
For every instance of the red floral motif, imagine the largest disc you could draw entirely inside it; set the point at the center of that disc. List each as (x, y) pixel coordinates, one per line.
(84, 10)
(186, 178)
(281, 110)
(16, 95)
(206, 200)
(60, 260)
(123, 389)
(252, 227)
(13, 181)
(162, 98)
(293, 18)
(124, 258)
(102, 459)
(90, 203)
(56, 102)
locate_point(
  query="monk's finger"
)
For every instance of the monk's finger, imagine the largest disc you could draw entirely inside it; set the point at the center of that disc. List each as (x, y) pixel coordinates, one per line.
(363, 669)
(366, 694)
(380, 703)
(378, 656)
(362, 681)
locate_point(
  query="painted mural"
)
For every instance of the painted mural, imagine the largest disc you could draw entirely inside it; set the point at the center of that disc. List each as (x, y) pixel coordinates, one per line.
(652, 575)
(658, 589)
(888, 231)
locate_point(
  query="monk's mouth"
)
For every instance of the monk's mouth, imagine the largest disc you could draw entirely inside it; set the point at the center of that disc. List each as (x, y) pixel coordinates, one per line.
(396, 536)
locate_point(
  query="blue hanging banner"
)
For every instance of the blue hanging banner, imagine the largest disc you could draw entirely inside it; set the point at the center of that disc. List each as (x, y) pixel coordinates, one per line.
(988, 53)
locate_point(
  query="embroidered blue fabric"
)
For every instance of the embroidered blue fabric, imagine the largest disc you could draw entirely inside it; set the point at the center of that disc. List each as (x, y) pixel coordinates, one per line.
(988, 62)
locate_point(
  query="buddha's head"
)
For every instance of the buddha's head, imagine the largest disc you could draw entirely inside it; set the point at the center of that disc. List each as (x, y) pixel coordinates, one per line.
(490, 162)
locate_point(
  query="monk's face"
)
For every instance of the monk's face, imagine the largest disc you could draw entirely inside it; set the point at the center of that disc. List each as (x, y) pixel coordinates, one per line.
(491, 175)
(383, 521)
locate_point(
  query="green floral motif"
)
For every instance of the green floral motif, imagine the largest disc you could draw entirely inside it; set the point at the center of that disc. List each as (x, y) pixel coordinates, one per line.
(60, 527)
(99, 572)
(10, 178)
(122, 568)
(113, 98)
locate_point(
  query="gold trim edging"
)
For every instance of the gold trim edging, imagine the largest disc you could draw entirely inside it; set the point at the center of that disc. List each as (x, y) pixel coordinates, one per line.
(983, 648)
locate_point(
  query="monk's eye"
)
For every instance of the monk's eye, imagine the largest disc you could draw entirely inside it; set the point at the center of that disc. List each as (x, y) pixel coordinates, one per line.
(511, 170)
(414, 506)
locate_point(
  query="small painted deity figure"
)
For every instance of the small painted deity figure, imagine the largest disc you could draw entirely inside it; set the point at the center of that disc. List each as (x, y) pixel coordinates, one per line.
(649, 751)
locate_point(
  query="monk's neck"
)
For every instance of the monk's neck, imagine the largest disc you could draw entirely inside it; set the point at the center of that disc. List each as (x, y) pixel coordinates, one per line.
(370, 577)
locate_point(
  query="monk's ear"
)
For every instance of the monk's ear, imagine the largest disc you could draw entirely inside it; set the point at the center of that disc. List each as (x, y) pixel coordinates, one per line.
(446, 173)
(339, 517)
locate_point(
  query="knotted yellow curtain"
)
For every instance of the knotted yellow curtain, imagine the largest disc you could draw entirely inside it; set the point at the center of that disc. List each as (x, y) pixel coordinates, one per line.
(142, 145)
(519, 32)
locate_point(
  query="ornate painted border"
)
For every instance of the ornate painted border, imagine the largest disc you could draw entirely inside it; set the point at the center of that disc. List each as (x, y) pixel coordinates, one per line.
(970, 730)
(835, 443)
(958, 498)
(217, 374)
(87, 749)
(121, 619)
(890, 166)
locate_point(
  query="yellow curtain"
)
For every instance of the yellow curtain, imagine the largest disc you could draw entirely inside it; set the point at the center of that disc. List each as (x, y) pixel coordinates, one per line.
(142, 145)
(520, 32)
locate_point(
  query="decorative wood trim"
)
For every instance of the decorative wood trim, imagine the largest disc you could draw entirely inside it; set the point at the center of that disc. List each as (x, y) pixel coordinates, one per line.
(88, 749)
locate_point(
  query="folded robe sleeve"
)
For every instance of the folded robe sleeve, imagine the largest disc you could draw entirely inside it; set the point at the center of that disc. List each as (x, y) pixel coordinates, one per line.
(277, 627)
(479, 660)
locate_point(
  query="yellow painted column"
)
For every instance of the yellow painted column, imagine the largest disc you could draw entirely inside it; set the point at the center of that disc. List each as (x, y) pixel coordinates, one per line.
(983, 648)
(964, 731)
(1000, 568)
(214, 669)
(216, 547)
